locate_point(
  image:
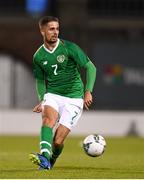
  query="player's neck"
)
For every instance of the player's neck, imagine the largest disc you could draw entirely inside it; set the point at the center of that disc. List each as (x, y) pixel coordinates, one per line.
(50, 46)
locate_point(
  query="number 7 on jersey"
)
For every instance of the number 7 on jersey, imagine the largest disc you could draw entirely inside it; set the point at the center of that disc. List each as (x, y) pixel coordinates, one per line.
(55, 66)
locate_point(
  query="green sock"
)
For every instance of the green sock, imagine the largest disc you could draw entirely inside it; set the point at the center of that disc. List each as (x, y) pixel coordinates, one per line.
(56, 151)
(46, 141)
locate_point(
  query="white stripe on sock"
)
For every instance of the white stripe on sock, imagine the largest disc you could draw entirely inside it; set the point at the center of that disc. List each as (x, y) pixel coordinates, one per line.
(45, 142)
(45, 150)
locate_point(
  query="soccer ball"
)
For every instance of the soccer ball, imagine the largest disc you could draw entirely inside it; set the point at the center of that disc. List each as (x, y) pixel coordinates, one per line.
(94, 145)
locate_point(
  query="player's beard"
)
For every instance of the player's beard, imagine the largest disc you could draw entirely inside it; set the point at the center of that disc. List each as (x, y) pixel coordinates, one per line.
(52, 40)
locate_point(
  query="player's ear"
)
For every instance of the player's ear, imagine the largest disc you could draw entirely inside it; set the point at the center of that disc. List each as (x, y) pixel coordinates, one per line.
(42, 31)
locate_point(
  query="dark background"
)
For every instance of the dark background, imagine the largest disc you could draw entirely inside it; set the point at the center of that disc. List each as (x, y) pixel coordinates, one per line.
(111, 32)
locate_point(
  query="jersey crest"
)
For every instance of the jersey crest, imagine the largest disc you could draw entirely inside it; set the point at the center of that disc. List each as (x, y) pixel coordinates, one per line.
(61, 58)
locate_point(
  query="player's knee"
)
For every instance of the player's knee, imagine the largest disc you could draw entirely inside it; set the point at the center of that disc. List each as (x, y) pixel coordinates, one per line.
(47, 122)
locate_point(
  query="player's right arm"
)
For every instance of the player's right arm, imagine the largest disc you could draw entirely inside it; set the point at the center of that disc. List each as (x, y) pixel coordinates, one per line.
(40, 83)
(40, 89)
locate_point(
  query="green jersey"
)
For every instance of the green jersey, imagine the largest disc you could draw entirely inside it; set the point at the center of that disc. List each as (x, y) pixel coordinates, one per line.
(60, 67)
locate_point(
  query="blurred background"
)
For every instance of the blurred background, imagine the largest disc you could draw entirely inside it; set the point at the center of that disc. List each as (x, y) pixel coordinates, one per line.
(111, 32)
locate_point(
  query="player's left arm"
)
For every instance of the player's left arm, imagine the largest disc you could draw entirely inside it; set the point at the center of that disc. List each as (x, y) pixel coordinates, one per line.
(83, 61)
(90, 80)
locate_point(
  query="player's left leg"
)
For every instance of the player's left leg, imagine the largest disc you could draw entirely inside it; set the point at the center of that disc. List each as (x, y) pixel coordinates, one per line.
(58, 142)
(69, 117)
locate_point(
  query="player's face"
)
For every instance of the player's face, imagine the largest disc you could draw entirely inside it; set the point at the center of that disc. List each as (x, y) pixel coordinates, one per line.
(50, 32)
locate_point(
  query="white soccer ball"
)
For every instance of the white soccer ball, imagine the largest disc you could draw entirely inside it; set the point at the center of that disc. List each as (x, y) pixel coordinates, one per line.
(94, 145)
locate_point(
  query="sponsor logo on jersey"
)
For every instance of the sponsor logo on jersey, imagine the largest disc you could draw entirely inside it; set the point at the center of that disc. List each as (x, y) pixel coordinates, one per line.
(61, 58)
(45, 63)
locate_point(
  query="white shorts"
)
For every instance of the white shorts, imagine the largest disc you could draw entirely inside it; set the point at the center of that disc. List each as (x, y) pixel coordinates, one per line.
(69, 109)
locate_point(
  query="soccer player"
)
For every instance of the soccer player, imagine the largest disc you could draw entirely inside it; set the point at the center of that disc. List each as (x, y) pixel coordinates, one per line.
(61, 92)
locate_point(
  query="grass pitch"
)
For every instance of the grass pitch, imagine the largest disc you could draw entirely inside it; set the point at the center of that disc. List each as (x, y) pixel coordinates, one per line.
(123, 158)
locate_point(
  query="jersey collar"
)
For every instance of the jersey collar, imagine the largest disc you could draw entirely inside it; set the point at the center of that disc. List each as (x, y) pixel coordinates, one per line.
(53, 48)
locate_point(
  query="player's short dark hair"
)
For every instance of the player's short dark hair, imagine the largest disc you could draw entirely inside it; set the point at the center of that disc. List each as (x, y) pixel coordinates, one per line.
(46, 19)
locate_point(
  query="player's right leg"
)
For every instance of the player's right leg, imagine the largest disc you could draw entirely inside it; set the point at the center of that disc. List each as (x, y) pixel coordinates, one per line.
(49, 118)
(40, 160)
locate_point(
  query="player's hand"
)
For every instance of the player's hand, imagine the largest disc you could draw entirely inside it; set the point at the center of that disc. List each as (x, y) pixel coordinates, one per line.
(87, 99)
(38, 108)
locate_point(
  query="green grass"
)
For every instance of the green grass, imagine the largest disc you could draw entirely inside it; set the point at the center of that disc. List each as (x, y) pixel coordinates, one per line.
(123, 158)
